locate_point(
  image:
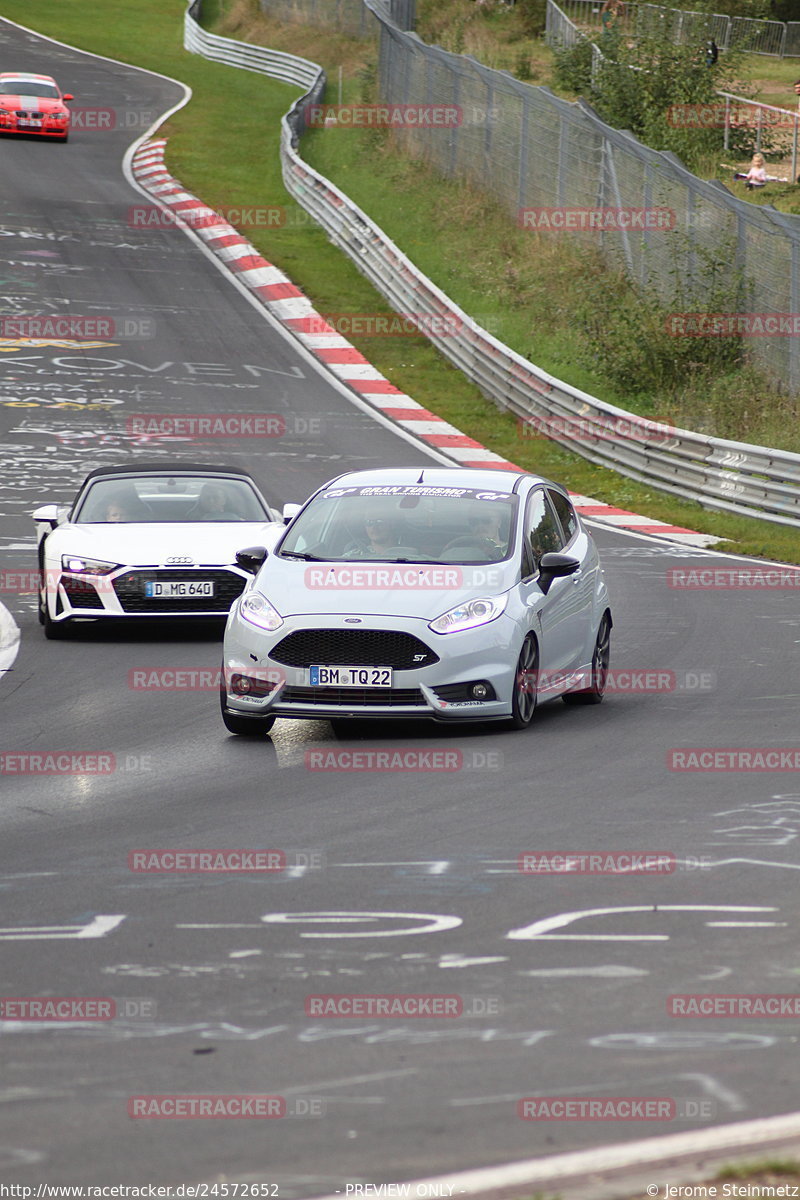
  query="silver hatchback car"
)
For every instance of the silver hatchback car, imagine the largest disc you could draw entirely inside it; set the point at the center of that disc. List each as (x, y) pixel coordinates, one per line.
(448, 593)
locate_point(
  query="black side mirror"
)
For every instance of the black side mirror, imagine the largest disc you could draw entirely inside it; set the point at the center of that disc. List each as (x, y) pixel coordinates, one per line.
(251, 559)
(555, 566)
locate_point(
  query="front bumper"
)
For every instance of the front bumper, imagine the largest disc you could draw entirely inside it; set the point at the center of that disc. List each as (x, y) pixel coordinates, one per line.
(123, 593)
(49, 130)
(487, 655)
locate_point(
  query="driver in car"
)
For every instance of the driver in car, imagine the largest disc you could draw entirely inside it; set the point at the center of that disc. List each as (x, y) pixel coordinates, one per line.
(486, 528)
(213, 505)
(381, 540)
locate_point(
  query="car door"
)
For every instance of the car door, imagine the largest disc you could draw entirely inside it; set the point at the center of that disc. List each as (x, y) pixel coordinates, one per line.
(559, 619)
(584, 581)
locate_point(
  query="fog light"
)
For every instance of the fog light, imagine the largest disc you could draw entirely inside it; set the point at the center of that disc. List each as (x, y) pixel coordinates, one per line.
(479, 691)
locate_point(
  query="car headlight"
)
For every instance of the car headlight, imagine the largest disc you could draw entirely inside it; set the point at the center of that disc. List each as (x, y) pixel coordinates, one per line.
(86, 566)
(470, 615)
(257, 609)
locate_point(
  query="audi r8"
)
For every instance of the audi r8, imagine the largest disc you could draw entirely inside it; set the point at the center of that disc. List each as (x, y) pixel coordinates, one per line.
(150, 540)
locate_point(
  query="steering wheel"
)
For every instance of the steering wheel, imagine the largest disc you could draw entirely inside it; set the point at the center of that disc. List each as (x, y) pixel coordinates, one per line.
(486, 546)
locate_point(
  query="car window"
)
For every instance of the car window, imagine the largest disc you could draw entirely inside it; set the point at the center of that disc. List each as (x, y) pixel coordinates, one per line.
(542, 532)
(169, 498)
(566, 513)
(413, 522)
(28, 87)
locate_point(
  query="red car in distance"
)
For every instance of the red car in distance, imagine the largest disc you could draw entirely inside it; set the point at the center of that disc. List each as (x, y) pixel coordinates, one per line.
(33, 104)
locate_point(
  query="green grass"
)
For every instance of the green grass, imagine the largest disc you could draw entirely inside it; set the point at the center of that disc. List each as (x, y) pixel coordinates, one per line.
(236, 163)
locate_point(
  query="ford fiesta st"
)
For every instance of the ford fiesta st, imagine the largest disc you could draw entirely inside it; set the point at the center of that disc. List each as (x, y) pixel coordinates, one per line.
(150, 540)
(33, 104)
(452, 594)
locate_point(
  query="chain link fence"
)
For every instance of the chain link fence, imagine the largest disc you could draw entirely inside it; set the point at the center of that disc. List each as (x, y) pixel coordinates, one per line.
(555, 166)
(346, 16)
(778, 38)
(551, 160)
(731, 476)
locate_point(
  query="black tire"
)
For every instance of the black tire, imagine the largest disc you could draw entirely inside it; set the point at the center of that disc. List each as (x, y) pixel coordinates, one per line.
(523, 700)
(600, 660)
(242, 726)
(54, 631)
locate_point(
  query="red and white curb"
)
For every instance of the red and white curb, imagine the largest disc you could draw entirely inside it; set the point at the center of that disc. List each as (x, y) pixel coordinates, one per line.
(289, 305)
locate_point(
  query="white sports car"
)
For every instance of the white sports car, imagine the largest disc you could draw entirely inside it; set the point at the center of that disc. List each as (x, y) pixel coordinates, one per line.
(149, 540)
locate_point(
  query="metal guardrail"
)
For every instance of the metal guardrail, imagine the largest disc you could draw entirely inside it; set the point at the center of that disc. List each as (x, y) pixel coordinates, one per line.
(274, 63)
(749, 480)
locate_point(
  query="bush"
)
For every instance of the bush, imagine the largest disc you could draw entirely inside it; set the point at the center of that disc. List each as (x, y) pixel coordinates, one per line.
(642, 85)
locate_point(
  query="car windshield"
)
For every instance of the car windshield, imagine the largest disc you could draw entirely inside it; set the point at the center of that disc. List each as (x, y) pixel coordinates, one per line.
(158, 498)
(407, 522)
(28, 87)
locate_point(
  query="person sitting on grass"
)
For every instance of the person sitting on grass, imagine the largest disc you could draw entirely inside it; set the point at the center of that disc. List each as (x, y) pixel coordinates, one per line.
(756, 177)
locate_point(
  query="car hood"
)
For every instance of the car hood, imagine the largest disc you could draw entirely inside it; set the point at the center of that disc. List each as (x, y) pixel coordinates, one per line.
(151, 544)
(33, 103)
(372, 588)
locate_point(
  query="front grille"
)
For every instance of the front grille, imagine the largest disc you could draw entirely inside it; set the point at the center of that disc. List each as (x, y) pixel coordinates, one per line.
(81, 593)
(353, 648)
(31, 116)
(352, 697)
(130, 591)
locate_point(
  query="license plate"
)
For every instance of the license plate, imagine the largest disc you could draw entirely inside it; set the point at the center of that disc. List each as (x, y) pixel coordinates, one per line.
(178, 589)
(29, 124)
(380, 677)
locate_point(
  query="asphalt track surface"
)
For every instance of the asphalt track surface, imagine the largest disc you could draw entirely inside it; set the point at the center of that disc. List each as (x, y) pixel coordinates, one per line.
(214, 971)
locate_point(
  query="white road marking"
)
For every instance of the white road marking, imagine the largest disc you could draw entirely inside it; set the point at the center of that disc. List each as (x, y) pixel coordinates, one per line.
(436, 922)
(745, 924)
(348, 1081)
(434, 867)
(540, 930)
(448, 961)
(97, 928)
(611, 971)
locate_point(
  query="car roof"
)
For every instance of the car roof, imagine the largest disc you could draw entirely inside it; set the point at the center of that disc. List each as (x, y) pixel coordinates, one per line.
(166, 468)
(470, 477)
(27, 76)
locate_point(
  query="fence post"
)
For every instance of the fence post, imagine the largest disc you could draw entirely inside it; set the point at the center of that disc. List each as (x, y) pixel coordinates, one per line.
(522, 186)
(794, 149)
(726, 139)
